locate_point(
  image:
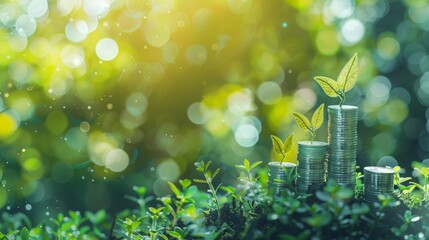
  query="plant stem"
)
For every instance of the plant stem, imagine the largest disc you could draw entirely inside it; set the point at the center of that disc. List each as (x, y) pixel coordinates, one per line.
(249, 176)
(179, 207)
(283, 158)
(209, 182)
(313, 136)
(426, 194)
(342, 98)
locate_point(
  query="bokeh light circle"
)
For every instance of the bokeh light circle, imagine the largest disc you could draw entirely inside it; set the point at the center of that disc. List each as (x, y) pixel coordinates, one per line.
(25, 25)
(246, 135)
(168, 170)
(106, 49)
(117, 160)
(352, 31)
(196, 54)
(269, 93)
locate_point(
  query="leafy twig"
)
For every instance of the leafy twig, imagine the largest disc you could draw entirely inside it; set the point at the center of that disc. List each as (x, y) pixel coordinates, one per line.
(208, 177)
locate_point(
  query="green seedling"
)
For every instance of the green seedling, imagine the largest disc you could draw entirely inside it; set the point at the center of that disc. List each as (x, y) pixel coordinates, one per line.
(315, 123)
(203, 168)
(280, 147)
(345, 81)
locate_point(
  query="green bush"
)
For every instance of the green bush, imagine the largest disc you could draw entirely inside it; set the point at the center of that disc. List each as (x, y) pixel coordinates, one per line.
(244, 212)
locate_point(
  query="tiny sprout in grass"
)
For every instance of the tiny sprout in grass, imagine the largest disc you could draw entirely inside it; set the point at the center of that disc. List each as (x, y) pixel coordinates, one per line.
(345, 82)
(280, 147)
(315, 123)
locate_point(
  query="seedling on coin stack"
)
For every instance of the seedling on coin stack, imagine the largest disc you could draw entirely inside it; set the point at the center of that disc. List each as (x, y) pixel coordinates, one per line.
(312, 155)
(281, 175)
(342, 125)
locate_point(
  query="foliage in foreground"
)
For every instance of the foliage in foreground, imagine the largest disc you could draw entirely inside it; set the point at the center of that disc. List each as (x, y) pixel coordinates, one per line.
(244, 212)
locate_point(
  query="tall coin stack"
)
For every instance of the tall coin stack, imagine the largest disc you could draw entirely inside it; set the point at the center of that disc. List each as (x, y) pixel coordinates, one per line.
(377, 181)
(342, 139)
(311, 166)
(281, 176)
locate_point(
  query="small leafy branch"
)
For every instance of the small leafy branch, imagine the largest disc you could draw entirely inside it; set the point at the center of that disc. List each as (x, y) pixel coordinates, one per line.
(345, 82)
(203, 168)
(247, 167)
(424, 171)
(316, 121)
(280, 147)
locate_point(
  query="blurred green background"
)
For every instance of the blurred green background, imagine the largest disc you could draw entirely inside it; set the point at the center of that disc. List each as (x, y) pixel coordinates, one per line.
(97, 96)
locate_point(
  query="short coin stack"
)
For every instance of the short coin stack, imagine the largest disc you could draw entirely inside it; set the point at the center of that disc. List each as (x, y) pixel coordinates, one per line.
(311, 166)
(281, 176)
(342, 139)
(378, 181)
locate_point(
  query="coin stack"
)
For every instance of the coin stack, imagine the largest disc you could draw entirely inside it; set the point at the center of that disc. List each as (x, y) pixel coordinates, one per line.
(311, 166)
(342, 139)
(378, 181)
(281, 176)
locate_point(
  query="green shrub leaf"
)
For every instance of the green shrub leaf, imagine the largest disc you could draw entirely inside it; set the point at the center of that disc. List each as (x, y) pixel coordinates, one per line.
(302, 121)
(317, 118)
(25, 235)
(255, 164)
(288, 143)
(277, 144)
(174, 189)
(329, 86)
(349, 74)
(185, 183)
(246, 163)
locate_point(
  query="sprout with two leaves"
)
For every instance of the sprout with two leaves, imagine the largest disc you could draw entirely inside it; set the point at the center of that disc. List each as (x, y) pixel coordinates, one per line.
(280, 147)
(345, 81)
(315, 123)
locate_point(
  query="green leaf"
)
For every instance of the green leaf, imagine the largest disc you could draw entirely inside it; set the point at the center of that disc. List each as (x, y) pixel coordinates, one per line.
(191, 191)
(228, 189)
(25, 235)
(246, 163)
(424, 171)
(215, 173)
(417, 185)
(329, 86)
(397, 169)
(255, 164)
(174, 189)
(277, 144)
(241, 167)
(11, 233)
(206, 167)
(174, 234)
(302, 121)
(349, 74)
(185, 183)
(288, 143)
(317, 118)
(200, 181)
(163, 236)
(139, 190)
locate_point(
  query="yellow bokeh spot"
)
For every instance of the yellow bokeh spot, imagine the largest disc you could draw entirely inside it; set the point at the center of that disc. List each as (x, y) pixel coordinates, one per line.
(394, 113)
(31, 164)
(302, 4)
(8, 125)
(240, 6)
(56, 122)
(387, 46)
(327, 42)
(217, 125)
